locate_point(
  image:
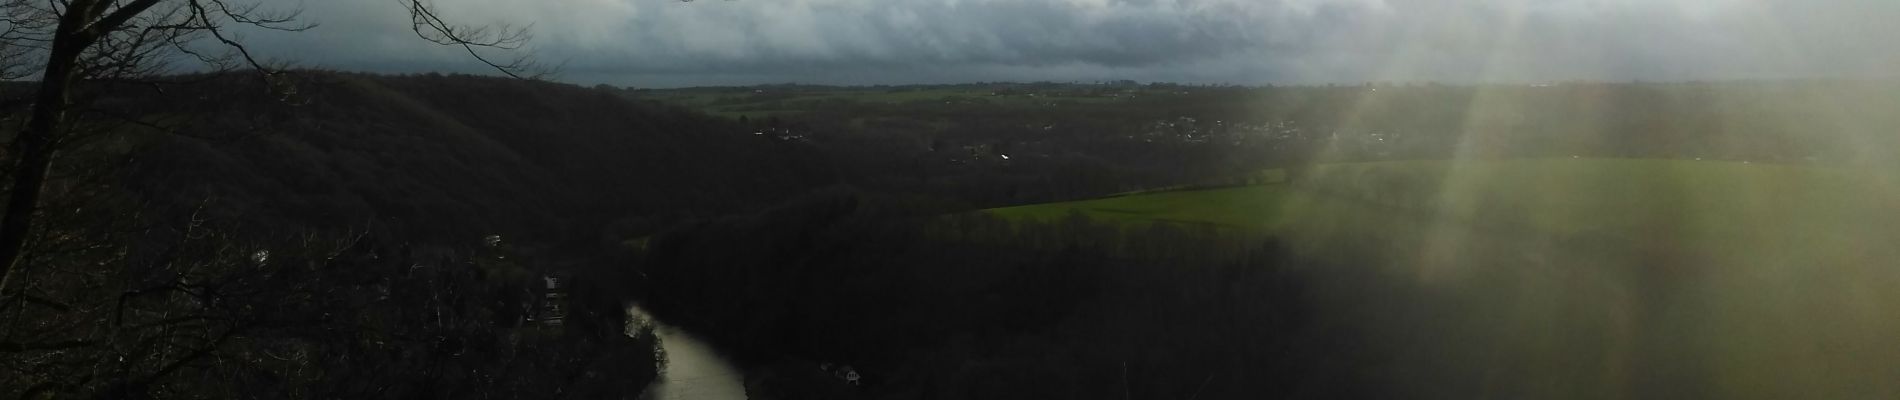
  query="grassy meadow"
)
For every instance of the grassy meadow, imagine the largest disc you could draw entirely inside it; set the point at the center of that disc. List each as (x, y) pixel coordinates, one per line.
(1591, 278)
(1256, 207)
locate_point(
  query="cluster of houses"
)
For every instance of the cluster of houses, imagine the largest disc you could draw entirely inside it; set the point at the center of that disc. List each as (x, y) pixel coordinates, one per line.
(551, 308)
(783, 134)
(844, 373)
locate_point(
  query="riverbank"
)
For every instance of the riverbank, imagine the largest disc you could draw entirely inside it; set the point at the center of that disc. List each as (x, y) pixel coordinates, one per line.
(691, 367)
(695, 368)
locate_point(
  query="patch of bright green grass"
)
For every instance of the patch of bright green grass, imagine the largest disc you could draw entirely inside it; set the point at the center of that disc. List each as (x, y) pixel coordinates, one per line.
(1246, 207)
(1580, 278)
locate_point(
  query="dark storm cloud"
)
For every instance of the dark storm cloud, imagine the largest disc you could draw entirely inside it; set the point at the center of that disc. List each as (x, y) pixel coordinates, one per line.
(664, 42)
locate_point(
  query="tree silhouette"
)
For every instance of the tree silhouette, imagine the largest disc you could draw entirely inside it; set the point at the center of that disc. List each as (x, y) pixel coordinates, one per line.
(73, 44)
(142, 304)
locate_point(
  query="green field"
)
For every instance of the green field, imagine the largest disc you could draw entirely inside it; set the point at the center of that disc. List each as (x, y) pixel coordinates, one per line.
(1582, 278)
(1558, 196)
(1247, 207)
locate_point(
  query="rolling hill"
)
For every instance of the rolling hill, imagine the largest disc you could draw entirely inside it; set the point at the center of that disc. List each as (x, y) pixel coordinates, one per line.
(457, 156)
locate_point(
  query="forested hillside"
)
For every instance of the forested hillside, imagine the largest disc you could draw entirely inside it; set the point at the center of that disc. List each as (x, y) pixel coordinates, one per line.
(458, 157)
(975, 307)
(331, 235)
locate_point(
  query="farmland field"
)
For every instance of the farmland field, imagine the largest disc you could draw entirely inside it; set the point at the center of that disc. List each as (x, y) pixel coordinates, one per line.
(1766, 279)
(1253, 207)
(1556, 196)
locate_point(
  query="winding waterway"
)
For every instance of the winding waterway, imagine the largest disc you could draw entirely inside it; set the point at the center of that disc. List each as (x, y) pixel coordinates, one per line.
(693, 370)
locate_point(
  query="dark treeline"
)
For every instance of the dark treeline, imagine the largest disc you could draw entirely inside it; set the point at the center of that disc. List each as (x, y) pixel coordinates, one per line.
(969, 306)
(132, 307)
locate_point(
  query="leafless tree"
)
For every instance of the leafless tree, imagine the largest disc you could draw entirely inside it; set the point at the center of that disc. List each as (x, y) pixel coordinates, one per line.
(167, 308)
(68, 43)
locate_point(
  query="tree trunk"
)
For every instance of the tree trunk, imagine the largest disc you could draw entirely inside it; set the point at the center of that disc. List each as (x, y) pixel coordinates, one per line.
(35, 147)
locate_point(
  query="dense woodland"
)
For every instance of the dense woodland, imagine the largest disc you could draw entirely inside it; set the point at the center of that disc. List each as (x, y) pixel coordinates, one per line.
(977, 307)
(384, 188)
(366, 236)
(425, 153)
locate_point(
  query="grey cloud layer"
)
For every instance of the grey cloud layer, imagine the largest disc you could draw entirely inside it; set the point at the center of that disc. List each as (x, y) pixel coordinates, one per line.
(877, 41)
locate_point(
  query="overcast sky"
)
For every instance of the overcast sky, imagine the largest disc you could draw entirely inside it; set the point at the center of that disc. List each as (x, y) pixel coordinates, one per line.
(660, 43)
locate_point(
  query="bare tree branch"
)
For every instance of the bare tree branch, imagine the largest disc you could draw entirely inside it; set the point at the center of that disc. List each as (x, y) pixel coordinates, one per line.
(92, 302)
(432, 27)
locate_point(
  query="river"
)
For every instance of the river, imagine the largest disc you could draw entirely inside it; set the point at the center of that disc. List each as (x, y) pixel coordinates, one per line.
(693, 370)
